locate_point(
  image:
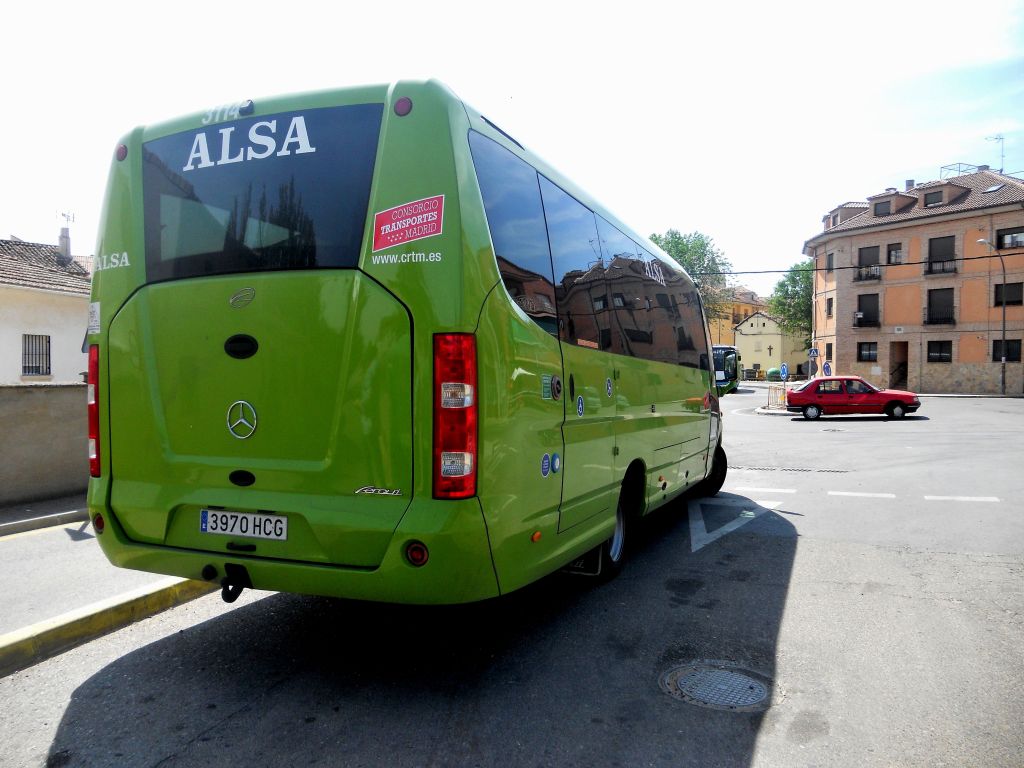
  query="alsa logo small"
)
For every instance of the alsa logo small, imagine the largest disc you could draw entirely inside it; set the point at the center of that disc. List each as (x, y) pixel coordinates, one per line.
(380, 491)
(110, 261)
(262, 143)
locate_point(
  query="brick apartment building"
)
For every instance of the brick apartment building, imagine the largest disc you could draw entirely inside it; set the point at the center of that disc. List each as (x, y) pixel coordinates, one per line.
(906, 296)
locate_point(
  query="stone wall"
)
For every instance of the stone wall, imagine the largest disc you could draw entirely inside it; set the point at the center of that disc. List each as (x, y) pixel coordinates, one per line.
(43, 442)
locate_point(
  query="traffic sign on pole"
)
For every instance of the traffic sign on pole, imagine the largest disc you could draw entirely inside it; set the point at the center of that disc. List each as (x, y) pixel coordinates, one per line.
(812, 352)
(826, 368)
(784, 372)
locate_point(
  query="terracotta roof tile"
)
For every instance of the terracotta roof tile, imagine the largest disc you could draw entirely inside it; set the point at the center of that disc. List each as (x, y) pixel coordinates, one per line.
(36, 265)
(975, 198)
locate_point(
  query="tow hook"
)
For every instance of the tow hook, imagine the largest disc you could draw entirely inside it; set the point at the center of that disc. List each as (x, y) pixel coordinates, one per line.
(229, 592)
(236, 578)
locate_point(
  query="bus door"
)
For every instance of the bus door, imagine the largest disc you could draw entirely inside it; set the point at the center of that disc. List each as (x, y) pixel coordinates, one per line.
(588, 481)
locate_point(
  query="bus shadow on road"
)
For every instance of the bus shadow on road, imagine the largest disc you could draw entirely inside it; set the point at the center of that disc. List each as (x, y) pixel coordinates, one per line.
(566, 671)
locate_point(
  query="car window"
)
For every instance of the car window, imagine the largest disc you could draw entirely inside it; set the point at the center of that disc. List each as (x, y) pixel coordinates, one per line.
(830, 387)
(857, 387)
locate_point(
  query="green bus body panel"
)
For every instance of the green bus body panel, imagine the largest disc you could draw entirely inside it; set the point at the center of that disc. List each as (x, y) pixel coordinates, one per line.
(459, 569)
(331, 390)
(342, 384)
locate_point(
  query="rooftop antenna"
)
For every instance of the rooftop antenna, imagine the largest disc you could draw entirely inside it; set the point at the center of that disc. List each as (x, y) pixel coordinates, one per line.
(998, 137)
(69, 218)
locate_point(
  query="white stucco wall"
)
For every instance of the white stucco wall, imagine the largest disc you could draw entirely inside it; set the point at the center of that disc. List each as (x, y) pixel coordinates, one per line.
(61, 316)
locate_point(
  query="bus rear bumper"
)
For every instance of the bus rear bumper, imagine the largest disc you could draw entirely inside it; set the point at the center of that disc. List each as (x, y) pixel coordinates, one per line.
(459, 568)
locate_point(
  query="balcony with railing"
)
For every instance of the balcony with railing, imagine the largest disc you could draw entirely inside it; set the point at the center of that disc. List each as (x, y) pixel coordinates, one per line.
(866, 320)
(943, 267)
(940, 316)
(870, 272)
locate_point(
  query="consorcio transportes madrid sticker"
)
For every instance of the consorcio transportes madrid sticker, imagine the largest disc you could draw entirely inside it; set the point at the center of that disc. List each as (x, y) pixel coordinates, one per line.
(408, 222)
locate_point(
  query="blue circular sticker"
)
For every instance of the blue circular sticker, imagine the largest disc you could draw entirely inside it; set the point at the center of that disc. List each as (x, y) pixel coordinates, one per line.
(545, 465)
(556, 463)
(579, 405)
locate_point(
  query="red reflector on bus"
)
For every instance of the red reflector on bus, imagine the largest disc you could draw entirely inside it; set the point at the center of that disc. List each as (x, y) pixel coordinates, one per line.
(455, 415)
(403, 106)
(98, 524)
(122, 152)
(93, 407)
(417, 553)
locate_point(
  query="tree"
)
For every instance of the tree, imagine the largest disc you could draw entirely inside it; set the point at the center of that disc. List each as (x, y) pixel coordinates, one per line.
(707, 265)
(791, 301)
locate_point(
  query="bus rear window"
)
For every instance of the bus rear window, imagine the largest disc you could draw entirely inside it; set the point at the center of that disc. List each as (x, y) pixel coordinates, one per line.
(284, 191)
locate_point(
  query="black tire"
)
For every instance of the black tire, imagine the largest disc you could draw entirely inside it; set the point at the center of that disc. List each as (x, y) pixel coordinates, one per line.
(896, 410)
(713, 483)
(613, 551)
(812, 412)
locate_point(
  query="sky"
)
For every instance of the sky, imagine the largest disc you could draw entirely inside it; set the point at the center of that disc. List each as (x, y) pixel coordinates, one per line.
(746, 122)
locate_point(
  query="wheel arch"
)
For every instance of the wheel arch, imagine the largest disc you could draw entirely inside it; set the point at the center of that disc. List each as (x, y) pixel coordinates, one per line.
(633, 493)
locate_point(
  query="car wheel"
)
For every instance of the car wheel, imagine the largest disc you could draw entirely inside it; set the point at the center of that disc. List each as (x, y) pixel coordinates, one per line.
(896, 410)
(713, 483)
(613, 551)
(811, 412)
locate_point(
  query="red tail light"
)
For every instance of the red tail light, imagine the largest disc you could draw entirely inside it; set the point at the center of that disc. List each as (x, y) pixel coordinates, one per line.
(455, 415)
(94, 410)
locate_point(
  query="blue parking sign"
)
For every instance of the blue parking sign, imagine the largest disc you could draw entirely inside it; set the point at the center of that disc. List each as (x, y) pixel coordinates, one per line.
(784, 372)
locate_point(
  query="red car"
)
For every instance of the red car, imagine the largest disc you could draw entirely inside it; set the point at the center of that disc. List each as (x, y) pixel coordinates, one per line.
(849, 394)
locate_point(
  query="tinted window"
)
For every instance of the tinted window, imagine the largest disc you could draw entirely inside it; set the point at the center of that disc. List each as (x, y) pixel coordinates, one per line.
(830, 387)
(579, 275)
(515, 218)
(286, 191)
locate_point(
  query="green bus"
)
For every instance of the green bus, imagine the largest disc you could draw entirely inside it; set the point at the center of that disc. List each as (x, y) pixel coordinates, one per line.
(727, 368)
(362, 343)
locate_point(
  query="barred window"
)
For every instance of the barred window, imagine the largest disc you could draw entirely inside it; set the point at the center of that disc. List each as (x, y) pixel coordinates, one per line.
(35, 355)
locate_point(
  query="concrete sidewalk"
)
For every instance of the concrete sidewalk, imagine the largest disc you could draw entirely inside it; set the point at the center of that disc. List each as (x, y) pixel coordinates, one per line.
(60, 590)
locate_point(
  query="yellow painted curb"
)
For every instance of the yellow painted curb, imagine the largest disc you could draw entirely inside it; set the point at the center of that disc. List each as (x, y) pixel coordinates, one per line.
(30, 645)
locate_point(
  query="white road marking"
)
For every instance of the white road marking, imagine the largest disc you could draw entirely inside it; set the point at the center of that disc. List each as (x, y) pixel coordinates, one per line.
(961, 498)
(863, 495)
(699, 536)
(767, 490)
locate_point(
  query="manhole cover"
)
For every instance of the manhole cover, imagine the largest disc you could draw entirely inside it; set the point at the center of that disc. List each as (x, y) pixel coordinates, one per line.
(718, 685)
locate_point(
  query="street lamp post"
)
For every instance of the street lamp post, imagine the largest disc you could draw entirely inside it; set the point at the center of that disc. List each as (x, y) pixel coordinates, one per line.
(1002, 344)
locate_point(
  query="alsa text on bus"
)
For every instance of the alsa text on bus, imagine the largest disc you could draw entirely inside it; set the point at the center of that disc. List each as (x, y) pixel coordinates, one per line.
(262, 143)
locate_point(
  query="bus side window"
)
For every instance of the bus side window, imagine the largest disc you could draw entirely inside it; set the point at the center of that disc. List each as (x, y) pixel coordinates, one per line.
(515, 218)
(576, 257)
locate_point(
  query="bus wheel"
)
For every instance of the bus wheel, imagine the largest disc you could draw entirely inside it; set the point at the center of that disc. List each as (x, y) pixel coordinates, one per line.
(613, 551)
(716, 478)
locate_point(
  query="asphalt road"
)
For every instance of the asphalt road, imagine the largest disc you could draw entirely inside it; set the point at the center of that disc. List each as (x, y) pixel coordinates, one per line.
(872, 571)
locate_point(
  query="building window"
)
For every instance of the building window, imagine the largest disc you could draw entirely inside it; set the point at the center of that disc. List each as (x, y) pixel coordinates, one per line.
(1013, 293)
(1010, 238)
(830, 262)
(867, 351)
(941, 255)
(618, 300)
(884, 208)
(867, 315)
(35, 355)
(940, 307)
(894, 253)
(600, 302)
(828, 351)
(932, 198)
(1012, 351)
(828, 307)
(835, 219)
(940, 351)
